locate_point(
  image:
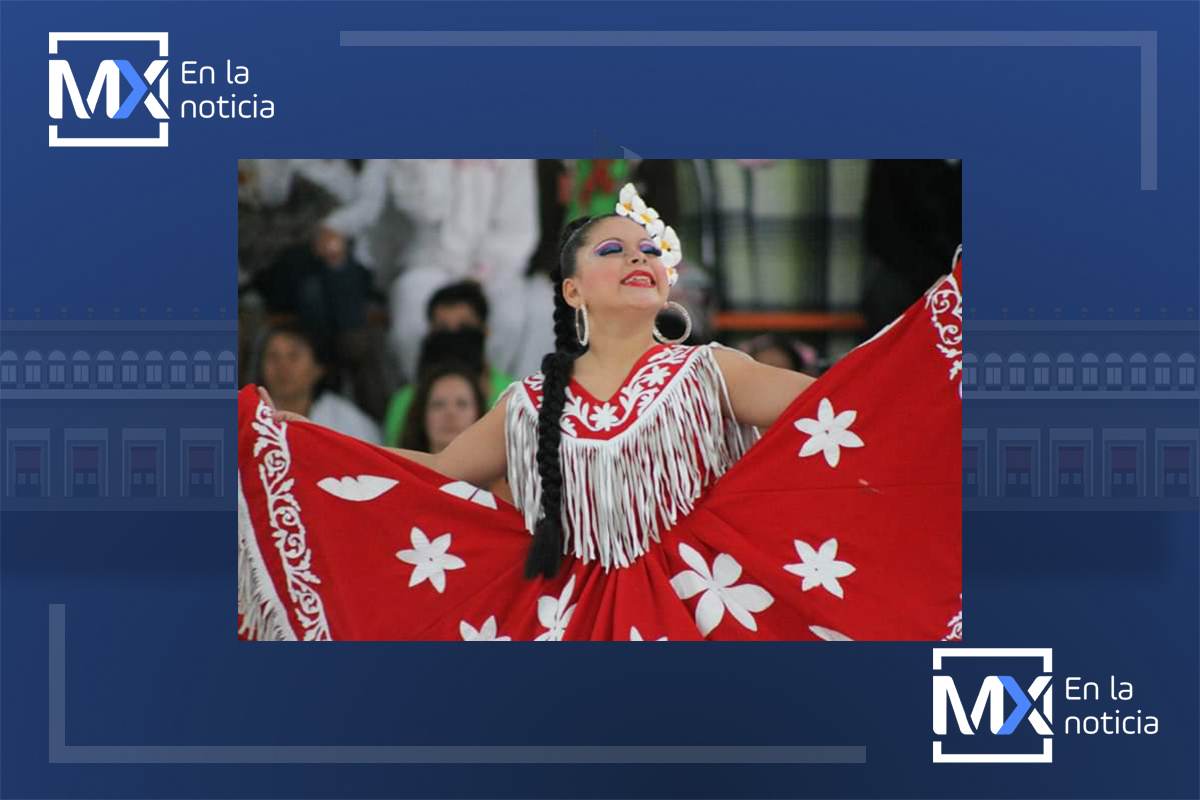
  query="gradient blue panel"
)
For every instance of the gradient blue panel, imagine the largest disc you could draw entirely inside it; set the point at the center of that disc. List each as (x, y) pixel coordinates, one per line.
(1055, 218)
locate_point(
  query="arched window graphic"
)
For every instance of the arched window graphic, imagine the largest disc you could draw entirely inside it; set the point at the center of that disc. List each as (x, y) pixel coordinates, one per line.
(81, 369)
(105, 368)
(1041, 371)
(1162, 371)
(202, 369)
(1066, 371)
(1016, 371)
(154, 369)
(1114, 371)
(226, 369)
(991, 371)
(179, 367)
(1137, 371)
(58, 369)
(1187, 371)
(129, 369)
(33, 369)
(1089, 371)
(970, 371)
(8, 369)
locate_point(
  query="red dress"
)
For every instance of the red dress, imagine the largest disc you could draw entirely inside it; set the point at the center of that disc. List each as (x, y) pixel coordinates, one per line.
(843, 522)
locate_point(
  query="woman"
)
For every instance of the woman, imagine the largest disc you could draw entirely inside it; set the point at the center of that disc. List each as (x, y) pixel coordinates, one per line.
(634, 537)
(294, 374)
(446, 401)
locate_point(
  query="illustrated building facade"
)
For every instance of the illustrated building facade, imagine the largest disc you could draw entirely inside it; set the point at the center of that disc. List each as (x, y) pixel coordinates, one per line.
(118, 413)
(1080, 413)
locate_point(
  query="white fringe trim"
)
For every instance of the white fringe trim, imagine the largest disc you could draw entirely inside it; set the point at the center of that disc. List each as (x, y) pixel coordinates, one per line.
(618, 493)
(263, 615)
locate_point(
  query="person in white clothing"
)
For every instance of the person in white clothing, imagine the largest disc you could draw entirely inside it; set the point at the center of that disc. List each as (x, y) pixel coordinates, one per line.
(292, 371)
(474, 218)
(360, 190)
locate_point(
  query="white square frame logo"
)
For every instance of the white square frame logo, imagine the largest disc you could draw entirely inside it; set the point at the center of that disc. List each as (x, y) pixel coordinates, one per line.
(1044, 757)
(147, 141)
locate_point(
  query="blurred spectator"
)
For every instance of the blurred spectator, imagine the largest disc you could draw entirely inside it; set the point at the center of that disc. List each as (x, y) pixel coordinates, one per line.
(472, 218)
(281, 203)
(457, 316)
(446, 402)
(780, 350)
(913, 222)
(293, 371)
(328, 293)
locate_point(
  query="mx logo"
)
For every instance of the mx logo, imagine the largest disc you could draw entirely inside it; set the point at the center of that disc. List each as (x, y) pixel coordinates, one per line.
(108, 82)
(993, 690)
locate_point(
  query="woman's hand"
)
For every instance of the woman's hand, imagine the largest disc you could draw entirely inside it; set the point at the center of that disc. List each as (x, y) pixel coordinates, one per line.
(277, 415)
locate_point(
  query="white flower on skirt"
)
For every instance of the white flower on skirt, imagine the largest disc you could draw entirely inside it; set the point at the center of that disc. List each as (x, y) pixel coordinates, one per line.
(555, 614)
(636, 636)
(358, 490)
(430, 559)
(828, 433)
(829, 634)
(486, 632)
(820, 567)
(719, 592)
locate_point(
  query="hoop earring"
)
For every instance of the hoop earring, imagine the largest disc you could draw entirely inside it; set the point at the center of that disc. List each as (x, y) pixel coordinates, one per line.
(582, 337)
(687, 321)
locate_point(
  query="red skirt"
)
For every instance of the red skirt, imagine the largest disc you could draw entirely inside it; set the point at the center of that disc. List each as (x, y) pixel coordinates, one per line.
(842, 523)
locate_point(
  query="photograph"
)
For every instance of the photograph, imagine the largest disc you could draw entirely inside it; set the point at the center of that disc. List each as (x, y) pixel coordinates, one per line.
(600, 399)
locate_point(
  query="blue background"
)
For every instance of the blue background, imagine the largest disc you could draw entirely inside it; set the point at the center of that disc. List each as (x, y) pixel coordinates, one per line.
(1055, 215)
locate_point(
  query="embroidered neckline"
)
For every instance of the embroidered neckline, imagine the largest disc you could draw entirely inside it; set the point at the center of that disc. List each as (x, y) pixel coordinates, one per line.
(587, 419)
(629, 377)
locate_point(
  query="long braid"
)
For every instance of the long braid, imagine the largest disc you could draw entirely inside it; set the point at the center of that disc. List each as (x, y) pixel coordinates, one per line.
(546, 550)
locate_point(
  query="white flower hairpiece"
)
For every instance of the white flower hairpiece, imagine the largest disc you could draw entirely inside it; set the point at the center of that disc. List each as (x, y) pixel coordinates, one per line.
(665, 239)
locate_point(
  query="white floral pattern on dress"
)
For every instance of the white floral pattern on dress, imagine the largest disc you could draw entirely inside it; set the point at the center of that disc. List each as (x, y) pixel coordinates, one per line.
(274, 453)
(829, 634)
(656, 376)
(486, 632)
(828, 433)
(469, 491)
(955, 626)
(944, 301)
(360, 489)
(820, 567)
(555, 614)
(430, 560)
(719, 592)
(604, 418)
(636, 636)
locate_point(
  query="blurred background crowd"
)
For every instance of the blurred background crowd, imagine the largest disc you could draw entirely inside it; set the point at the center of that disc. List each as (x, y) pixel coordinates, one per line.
(394, 299)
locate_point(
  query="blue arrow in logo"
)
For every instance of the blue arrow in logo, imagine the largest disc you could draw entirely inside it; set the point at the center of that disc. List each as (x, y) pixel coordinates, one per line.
(139, 89)
(1022, 701)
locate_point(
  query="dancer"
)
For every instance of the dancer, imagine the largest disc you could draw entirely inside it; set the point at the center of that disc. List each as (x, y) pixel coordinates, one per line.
(633, 464)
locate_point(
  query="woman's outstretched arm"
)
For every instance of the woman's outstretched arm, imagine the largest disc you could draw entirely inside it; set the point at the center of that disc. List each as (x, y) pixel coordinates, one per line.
(759, 393)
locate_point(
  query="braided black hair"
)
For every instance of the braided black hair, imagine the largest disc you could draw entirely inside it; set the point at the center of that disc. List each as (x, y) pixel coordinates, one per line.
(545, 552)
